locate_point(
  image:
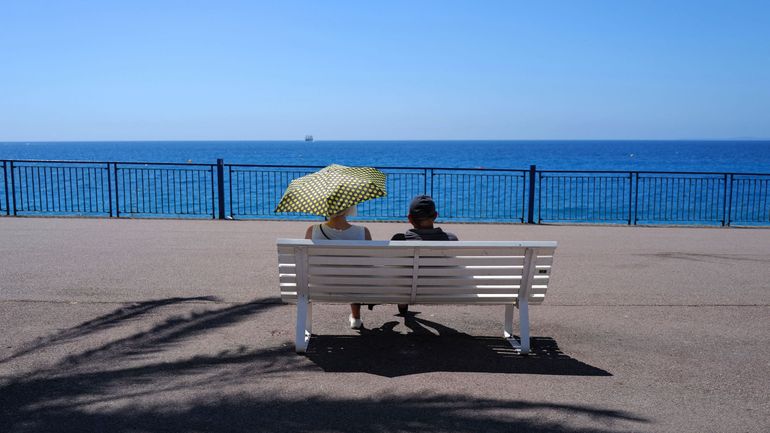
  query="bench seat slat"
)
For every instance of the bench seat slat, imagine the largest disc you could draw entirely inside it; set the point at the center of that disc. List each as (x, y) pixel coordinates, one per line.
(291, 297)
(389, 290)
(363, 298)
(391, 271)
(545, 260)
(467, 271)
(472, 260)
(373, 252)
(465, 281)
(424, 251)
(363, 261)
(471, 251)
(379, 281)
(286, 258)
(475, 289)
(407, 271)
(467, 299)
(479, 289)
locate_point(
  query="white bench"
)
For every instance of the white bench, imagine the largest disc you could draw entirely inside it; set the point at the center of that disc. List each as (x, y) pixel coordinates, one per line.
(414, 272)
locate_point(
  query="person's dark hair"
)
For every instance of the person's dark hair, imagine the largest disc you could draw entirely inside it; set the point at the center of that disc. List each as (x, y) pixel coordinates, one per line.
(422, 208)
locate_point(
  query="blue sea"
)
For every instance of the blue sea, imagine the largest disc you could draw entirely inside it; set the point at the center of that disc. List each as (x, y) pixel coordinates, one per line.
(712, 156)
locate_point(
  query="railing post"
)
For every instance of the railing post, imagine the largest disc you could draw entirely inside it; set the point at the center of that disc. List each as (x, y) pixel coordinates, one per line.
(540, 197)
(531, 207)
(213, 208)
(109, 188)
(630, 192)
(729, 199)
(221, 187)
(117, 191)
(5, 181)
(636, 199)
(13, 190)
(724, 202)
(431, 183)
(230, 184)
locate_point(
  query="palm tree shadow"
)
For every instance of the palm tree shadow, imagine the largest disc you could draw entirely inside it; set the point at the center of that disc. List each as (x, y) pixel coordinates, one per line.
(430, 413)
(384, 352)
(102, 323)
(64, 397)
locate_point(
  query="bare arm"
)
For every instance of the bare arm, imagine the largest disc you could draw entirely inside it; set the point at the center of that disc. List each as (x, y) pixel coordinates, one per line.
(309, 233)
(367, 235)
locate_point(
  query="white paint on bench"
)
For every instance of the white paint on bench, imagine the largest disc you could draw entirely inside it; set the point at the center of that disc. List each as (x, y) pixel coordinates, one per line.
(515, 274)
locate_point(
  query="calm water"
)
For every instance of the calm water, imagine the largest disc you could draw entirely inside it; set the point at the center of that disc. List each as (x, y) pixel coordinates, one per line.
(719, 156)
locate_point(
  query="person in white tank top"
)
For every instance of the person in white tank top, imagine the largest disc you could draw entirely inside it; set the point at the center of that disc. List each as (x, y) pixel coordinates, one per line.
(338, 228)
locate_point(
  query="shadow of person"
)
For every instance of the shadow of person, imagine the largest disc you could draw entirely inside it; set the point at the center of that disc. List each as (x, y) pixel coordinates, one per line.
(433, 347)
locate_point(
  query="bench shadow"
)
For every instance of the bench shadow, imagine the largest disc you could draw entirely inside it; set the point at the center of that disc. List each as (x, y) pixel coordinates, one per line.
(385, 352)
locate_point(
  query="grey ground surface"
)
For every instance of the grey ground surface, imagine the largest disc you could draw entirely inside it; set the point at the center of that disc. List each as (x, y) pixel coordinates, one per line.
(152, 325)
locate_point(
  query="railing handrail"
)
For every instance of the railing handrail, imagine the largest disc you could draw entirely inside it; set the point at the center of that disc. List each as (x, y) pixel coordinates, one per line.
(384, 167)
(715, 173)
(61, 161)
(523, 170)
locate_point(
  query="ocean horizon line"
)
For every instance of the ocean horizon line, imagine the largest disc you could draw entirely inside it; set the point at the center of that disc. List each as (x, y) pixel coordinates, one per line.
(475, 140)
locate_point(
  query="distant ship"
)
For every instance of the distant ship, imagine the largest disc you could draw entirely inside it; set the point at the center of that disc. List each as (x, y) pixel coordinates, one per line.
(308, 138)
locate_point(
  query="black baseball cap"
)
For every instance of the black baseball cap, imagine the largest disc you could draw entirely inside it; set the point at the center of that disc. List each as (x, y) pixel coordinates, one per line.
(422, 207)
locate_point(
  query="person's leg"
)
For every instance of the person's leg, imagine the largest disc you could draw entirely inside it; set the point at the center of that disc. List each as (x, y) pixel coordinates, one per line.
(403, 308)
(355, 316)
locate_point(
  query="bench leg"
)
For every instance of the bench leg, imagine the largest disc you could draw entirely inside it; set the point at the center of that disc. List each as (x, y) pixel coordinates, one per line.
(304, 323)
(508, 324)
(523, 344)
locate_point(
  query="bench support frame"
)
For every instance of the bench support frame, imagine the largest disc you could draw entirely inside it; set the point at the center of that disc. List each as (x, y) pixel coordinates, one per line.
(304, 324)
(304, 307)
(522, 344)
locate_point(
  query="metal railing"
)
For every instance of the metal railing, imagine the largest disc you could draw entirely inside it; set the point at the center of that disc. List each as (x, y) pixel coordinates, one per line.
(158, 190)
(59, 188)
(603, 197)
(128, 189)
(749, 199)
(460, 194)
(242, 191)
(680, 198)
(653, 197)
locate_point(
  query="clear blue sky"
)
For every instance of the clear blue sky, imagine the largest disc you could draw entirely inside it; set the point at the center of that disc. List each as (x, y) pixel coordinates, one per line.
(197, 70)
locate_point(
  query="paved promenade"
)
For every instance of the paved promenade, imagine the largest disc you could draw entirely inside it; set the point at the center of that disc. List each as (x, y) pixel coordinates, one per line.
(168, 325)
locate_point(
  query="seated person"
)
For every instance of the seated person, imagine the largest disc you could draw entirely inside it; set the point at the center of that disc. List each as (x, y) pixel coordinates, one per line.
(422, 214)
(337, 227)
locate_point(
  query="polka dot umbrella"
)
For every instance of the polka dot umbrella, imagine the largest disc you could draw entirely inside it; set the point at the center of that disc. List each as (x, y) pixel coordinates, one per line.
(332, 190)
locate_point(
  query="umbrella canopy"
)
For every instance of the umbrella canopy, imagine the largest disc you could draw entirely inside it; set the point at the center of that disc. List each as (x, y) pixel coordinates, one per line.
(332, 190)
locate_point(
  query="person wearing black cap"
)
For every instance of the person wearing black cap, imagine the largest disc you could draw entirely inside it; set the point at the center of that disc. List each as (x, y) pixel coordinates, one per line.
(422, 214)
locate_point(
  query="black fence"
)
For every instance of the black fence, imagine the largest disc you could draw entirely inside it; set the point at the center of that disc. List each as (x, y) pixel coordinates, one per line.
(241, 191)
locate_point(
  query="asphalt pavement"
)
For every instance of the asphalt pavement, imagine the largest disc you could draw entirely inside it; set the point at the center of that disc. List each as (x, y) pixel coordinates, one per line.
(176, 325)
